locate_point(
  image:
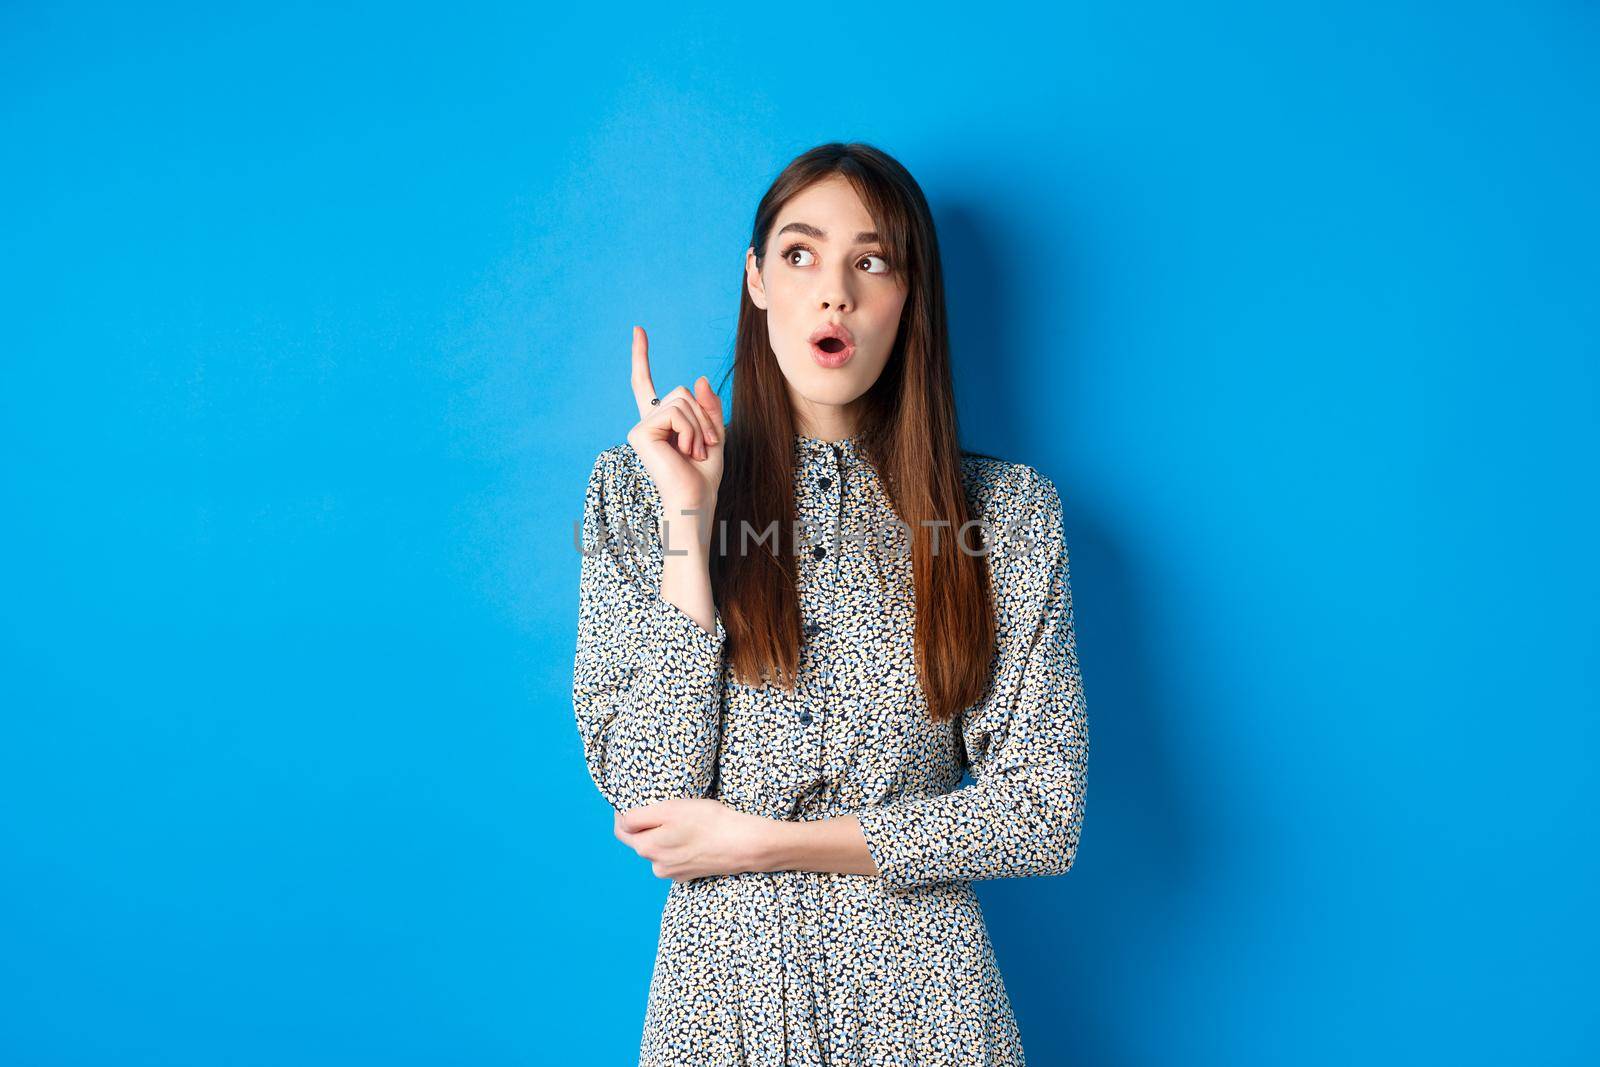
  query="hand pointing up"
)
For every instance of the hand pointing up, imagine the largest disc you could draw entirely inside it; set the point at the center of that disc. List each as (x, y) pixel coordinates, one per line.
(680, 437)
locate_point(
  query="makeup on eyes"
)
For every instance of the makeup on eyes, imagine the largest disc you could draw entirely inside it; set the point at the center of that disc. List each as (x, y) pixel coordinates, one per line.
(785, 254)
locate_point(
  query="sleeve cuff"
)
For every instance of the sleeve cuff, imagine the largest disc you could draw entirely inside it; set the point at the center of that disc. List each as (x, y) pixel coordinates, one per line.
(881, 828)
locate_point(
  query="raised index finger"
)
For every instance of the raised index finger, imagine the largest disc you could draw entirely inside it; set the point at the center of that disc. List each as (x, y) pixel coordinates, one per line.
(643, 388)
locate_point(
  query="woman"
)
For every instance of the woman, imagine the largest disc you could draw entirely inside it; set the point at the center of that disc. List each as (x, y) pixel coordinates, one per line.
(797, 630)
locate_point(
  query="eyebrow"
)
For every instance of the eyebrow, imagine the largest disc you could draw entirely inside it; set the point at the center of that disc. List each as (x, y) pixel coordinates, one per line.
(864, 237)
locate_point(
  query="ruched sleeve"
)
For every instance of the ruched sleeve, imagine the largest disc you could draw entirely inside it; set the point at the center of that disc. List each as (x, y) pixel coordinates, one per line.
(647, 680)
(1026, 741)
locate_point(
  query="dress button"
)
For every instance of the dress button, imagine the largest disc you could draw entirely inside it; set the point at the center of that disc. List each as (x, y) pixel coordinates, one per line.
(805, 718)
(818, 552)
(812, 628)
(825, 482)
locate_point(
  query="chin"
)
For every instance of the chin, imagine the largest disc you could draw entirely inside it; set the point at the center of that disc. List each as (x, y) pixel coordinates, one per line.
(837, 394)
(828, 386)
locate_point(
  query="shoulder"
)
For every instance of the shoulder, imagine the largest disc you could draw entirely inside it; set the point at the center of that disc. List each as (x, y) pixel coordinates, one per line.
(1023, 511)
(1005, 492)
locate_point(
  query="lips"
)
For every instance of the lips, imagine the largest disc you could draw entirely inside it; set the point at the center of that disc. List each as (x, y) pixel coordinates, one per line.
(832, 344)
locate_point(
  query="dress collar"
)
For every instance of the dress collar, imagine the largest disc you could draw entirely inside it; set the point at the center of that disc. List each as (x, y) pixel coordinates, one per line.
(814, 450)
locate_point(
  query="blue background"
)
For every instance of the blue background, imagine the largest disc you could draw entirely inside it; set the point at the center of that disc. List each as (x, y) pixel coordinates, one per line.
(313, 319)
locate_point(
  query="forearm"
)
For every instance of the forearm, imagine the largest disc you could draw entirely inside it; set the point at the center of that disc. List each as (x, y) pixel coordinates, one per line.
(647, 676)
(829, 845)
(685, 566)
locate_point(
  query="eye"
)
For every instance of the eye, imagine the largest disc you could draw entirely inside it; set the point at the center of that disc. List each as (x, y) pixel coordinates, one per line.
(788, 254)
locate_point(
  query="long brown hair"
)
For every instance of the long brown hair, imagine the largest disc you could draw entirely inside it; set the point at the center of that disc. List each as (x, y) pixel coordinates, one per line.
(907, 431)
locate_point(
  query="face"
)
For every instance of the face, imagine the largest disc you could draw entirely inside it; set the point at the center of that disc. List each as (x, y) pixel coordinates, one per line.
(824, 267)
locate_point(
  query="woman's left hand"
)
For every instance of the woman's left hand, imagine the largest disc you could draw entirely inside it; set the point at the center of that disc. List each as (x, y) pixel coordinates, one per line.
(692, 837)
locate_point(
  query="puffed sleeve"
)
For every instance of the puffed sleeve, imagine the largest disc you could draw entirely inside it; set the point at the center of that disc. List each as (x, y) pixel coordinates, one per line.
(1026, 741)
(647, 680)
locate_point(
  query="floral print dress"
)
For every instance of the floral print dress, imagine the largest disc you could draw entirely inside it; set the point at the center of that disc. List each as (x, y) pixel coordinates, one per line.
(805, 968)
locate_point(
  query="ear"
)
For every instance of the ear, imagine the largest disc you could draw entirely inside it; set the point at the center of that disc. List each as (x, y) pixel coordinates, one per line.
(752, 280)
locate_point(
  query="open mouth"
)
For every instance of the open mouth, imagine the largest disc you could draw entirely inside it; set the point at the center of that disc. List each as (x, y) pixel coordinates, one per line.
(832, 345)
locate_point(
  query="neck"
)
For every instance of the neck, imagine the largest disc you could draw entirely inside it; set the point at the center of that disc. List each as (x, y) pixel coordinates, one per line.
(825, 424)
(829, 438)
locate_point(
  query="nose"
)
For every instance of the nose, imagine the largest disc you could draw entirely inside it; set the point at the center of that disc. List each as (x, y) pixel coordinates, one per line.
(835, 297)
(836, 292)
